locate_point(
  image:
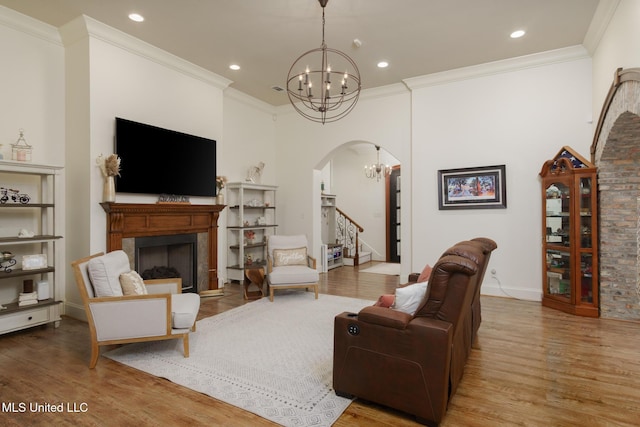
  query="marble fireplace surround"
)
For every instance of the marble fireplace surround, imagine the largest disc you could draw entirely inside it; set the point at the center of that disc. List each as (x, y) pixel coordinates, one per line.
(126, 221)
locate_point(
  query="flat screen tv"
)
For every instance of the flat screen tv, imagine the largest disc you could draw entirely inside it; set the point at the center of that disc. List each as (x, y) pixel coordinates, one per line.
(161, 161)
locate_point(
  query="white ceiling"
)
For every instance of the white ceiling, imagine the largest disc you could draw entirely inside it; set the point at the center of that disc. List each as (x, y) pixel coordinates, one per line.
(417, 37)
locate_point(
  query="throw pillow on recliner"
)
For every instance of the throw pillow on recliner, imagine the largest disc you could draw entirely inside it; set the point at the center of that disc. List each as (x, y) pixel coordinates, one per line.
(409, 297)
(425, 274)
(385, 300)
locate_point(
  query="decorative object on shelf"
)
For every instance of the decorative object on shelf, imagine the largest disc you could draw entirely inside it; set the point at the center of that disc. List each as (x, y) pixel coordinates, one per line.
(34, 262)
(42, 289)
(109, 190)
(25, 234)
(254, 174)
(28, 298)
(376, 170)
(21, 151)
(255, 203)
(309, 89)
(248, 259)
(15, 195)
(27, 286)
(472, 188)
(7, 260)
(172, 198)
(221, 181)
(250, 235)
(110, 167)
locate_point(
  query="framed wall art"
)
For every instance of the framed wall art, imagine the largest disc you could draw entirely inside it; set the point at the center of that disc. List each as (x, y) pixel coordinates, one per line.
(472, 188)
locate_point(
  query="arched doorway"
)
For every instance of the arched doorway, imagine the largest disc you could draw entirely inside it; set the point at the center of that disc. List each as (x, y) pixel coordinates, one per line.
(364, 200)
(616, 154)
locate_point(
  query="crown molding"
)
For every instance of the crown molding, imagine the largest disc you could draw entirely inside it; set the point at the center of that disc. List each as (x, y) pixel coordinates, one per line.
(601, 19)
(85, 26)
(26, 24)
(384, 91)
(498, 67)
(249, 100)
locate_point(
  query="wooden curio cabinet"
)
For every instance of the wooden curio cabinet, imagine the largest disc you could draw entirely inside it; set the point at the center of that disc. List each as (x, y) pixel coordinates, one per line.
(569, 230)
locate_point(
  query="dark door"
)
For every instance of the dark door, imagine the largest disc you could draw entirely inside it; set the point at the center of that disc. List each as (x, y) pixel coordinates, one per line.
(393, 215)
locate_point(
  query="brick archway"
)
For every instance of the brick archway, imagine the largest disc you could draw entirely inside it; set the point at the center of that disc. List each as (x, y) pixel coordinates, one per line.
(616, 153)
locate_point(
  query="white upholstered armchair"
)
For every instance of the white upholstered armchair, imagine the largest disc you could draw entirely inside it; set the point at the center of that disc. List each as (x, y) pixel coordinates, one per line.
(289, 265)
(120, 309)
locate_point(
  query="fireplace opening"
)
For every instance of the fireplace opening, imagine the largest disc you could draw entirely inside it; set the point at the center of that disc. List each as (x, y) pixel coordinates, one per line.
(160, 257)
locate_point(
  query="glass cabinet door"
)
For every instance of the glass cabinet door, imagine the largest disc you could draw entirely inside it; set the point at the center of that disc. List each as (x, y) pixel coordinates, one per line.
(585, 213)
(558, 225)
(558, 240)
(586, 279)
(586, 242)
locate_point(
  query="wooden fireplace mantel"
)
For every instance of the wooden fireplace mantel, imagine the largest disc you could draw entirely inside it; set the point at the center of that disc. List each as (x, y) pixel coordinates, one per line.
(126, 220)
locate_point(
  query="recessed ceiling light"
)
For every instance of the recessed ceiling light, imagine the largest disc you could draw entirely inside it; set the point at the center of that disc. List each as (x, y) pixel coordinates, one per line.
(234, 67)
(136, 17)
(383, 64)
(517, 34)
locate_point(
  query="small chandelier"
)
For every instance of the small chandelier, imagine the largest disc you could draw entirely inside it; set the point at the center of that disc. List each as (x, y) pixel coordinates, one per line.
(329, 92)
(377, 170)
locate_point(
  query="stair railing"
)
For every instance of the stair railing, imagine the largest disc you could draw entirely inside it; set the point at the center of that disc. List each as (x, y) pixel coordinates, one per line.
(347, 231)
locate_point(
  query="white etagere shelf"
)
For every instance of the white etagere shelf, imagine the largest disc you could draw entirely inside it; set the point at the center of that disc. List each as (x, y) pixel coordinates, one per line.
(252, 210)
(31, 208)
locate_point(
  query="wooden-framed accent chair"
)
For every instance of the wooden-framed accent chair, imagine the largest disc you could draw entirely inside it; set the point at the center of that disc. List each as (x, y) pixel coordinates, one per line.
(289, 264)
(157, 310)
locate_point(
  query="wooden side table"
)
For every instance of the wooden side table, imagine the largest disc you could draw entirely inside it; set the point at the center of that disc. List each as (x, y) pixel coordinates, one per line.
(255, 277)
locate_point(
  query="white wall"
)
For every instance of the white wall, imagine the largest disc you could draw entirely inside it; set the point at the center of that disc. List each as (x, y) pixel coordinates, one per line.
(111, 74)
(249, 138)
(32, 84)
(497, 114)
(381, 117)
(618, 47)
(362, 198)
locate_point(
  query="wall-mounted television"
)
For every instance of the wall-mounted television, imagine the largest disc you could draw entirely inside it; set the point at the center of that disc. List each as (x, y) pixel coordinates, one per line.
(162, 161)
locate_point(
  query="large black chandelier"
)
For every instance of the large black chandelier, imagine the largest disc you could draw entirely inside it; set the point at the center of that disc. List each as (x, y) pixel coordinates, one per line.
(327, 91)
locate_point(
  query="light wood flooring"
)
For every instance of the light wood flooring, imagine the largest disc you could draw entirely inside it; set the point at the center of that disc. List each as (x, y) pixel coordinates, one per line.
(534, 367)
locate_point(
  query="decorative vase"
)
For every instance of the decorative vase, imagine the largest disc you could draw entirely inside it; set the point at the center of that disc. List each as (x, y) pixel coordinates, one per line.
(220, 199)
(109, 190)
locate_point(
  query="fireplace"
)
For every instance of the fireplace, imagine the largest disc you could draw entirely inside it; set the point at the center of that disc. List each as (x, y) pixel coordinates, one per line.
(128, 222)
(160, 257)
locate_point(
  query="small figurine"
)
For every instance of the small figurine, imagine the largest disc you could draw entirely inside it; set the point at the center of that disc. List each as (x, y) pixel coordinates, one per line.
(254, 174)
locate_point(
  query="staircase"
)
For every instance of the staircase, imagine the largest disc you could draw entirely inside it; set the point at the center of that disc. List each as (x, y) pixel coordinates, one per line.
(348, 234)
(363, 257)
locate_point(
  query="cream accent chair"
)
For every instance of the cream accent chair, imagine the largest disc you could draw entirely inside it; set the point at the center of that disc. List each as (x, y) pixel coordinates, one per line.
(288, 264)
(165, 313)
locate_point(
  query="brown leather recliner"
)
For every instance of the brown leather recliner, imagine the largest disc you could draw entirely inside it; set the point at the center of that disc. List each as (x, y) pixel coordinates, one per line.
(403, 361)
(479, 250)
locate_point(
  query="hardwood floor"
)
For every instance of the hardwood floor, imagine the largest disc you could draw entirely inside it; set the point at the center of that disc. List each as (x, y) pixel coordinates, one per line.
(534, 367)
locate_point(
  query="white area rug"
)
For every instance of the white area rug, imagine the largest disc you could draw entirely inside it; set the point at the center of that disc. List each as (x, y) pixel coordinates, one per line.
(274, 359)
(384, 268)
